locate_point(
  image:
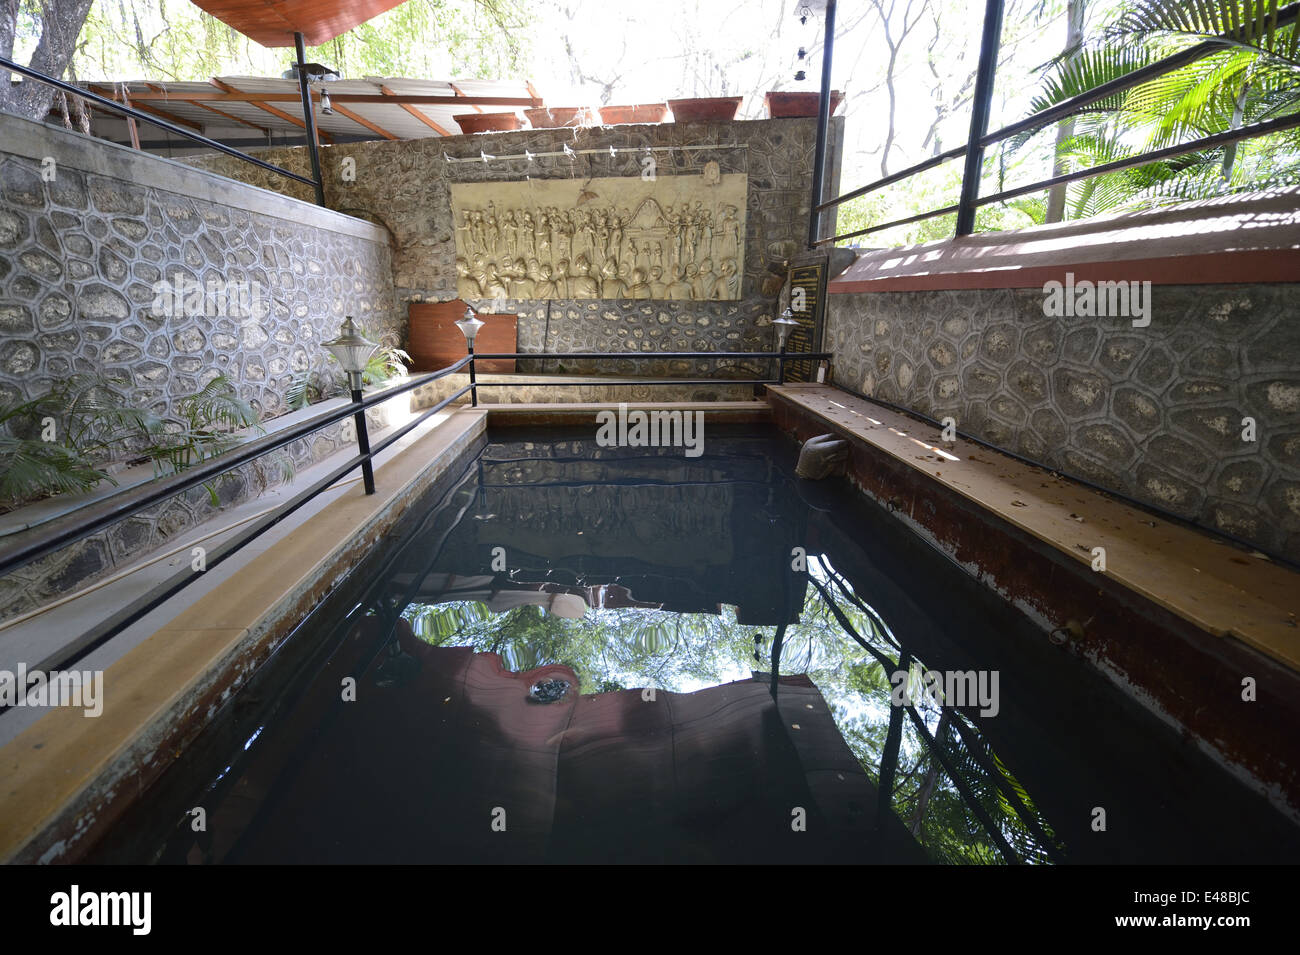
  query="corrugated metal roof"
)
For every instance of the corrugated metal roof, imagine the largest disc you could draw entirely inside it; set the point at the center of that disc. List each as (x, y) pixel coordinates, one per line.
(274, 104)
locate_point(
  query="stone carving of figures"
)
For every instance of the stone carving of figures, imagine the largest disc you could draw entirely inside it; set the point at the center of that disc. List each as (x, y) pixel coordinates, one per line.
(493, 285)
(697, 230)
(492, 235)
(658, 288)
(581, 283)
(728, 286)
(465, 231)
(657, 255)
(611, 286)
(545, 284)
(638, 287)
(521, 286)
(729, 235)
(562, 279)
(705, 282)
(692, 272)
(476, 233)
(527, 235)
(543, 234)
(706, 236)
(562, 238)
(510, 234)
(601, 245)
(679, 289)
(616, 224)
(467, 286)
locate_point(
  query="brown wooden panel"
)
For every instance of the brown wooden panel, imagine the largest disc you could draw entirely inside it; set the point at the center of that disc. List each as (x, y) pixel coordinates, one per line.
(273, 22)
(435, 341)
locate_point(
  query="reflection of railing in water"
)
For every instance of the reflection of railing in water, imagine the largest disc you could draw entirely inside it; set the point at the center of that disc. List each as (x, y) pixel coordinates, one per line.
(973, 743)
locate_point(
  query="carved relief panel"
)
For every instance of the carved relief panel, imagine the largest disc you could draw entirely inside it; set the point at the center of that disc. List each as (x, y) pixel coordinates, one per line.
(674, 237)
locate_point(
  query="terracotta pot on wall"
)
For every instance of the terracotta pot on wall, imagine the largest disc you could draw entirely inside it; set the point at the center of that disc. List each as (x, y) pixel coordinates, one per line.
(644, 113)
(488, 122)
(552, 117)
(788, 104)
(712, 109)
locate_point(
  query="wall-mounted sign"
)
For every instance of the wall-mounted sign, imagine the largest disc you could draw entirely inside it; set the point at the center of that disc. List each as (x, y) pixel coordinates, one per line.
(671, 237)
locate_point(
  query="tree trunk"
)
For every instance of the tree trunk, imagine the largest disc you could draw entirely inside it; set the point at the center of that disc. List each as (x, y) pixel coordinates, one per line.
(61, 22)
(1065, 129)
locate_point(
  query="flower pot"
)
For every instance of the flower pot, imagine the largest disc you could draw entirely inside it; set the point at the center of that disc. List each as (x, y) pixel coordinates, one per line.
(787, 104)
(488, 122)
(644, 113)
(552, 117)
(713, 109)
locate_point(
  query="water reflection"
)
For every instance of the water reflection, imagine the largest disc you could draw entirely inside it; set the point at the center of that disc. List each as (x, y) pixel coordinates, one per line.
(808, 653)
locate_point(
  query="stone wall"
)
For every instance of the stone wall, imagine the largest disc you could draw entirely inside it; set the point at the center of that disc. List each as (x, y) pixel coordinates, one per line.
(1154, 412)
(81, 257)
(87, 231)
(405, 187)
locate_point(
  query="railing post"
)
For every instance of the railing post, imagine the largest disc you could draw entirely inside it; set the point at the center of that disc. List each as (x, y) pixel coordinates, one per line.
(823, 122)
(979, 116)
(473, 384)
(363, 436)
(309, 119)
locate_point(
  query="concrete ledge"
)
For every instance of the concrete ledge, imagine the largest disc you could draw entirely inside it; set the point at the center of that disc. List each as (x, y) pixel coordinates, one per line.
(88, 154)
(558, 413)
(1248, 238)
(68, 777)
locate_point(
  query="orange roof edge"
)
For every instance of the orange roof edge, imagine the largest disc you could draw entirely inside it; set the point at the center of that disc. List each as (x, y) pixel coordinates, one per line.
(273, 22)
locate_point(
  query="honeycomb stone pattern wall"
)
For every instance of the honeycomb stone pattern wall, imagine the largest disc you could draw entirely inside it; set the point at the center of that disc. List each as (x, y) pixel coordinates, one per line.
(1154, 412)
(79, 259)
(405, 187)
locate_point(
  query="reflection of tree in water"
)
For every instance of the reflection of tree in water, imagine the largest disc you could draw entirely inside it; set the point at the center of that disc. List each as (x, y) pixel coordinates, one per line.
(612, 649)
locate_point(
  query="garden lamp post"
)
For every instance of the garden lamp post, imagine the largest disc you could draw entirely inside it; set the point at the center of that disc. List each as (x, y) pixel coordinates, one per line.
(784, 326)
(352, 349)
(469, 326)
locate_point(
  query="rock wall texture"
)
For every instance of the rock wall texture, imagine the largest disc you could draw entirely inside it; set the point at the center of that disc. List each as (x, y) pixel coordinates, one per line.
(82, 256)
(405, 187)
(88, 231)
(1156, 413)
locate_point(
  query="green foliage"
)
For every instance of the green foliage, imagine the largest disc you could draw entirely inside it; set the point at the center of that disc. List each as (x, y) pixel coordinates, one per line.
(420, 38)
(308, 387)
(54, 443)
(612, 649)
(1255, 76)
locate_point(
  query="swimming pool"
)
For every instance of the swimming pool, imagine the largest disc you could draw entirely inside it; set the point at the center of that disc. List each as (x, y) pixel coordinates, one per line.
(567, 656)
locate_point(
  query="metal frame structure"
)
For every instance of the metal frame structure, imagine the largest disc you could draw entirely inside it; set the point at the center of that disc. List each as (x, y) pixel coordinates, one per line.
(980, 139)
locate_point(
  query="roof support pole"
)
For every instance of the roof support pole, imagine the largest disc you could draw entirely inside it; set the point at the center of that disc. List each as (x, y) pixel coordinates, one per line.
(309, 119)
(979, 116)
(823, 123)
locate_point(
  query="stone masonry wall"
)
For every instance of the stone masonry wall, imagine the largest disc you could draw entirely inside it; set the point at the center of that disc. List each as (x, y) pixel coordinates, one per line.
(81, 253)
(1154, 412)
(80, 257)
(404, 187)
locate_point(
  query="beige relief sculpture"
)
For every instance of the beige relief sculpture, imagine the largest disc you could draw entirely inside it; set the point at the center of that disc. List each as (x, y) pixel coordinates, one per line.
(674, 237)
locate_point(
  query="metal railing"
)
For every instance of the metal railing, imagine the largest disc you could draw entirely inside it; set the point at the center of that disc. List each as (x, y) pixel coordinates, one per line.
(973, 150)
(120, 505)
(105, 104)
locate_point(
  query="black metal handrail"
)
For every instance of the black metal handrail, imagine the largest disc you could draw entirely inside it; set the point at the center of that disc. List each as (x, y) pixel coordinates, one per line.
(970, 198)
(123, 504)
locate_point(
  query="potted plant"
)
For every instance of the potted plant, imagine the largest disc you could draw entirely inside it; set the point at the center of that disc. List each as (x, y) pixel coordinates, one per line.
(712, 109)
(488, 122)
(785, 104)
(643, 113)
(551, 117)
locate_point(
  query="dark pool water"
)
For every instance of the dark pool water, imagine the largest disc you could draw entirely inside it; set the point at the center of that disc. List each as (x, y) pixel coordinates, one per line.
(568, 657)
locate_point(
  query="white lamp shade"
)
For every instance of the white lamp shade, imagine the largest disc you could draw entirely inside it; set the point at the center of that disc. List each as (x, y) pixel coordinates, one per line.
(469, 325)
(351, 348)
